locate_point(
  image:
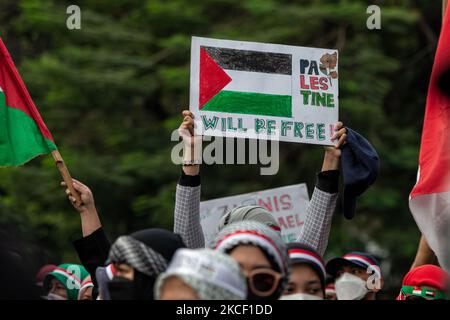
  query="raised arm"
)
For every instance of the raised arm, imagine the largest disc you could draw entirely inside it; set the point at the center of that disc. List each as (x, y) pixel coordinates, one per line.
(93, 247)
(319, 214)
(187, 197)
(87, 210)
(424, 254)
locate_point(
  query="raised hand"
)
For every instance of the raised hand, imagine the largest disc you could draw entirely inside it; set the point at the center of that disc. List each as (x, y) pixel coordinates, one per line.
(85, 193)
(332, 156)
(90, 220)
(192, 144)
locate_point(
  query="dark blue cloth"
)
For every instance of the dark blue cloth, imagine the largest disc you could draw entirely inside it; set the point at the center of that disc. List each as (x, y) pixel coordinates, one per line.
(360, 166)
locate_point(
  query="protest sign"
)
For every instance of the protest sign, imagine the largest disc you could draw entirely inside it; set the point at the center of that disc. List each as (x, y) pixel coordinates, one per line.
(287, 204)
(264, 91)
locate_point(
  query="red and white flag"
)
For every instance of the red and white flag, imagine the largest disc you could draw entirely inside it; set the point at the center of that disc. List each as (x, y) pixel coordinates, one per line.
(430, 198)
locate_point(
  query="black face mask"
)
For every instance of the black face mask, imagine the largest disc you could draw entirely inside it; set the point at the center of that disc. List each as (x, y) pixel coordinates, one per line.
(143, 286)
(140, 288)
(121, 289)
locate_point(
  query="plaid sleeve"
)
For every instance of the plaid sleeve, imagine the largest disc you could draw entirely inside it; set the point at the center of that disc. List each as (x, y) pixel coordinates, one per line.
(187, 215)
(319, 214)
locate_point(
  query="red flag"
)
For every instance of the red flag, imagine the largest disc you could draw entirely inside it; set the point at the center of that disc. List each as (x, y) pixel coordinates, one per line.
(430, 197)
(23, 134)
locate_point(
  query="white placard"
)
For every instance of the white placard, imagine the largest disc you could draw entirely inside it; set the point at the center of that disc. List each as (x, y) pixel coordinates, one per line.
(264, 91)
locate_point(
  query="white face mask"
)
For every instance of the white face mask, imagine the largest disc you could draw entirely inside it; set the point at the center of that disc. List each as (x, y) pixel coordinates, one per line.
(300, 296)
(350, 287)
(52, 296)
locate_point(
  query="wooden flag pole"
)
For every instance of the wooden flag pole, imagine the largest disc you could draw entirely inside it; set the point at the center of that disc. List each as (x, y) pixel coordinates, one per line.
(59, 161)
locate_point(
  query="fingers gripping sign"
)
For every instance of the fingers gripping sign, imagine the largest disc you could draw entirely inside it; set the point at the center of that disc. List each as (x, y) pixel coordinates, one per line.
(333, 153)
(192, 142)
(186, 131)
(187, 124)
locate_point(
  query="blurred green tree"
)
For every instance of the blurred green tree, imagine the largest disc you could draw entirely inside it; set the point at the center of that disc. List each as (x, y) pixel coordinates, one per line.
(111, 94)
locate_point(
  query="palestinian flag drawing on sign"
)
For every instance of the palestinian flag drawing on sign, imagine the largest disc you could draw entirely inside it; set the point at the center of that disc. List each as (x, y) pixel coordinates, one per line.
(245, 82)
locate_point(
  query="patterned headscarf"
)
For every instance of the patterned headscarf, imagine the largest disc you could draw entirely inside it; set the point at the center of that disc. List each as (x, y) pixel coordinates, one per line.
(70, 276)
(249, 213)
(148, 252)
(85, 284)
(133, 252)
(257, 234)
(211, 274)
(300, 253)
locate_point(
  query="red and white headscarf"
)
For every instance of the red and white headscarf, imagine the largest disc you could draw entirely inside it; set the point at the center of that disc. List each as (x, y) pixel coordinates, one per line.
(301, 253)
(85, 284)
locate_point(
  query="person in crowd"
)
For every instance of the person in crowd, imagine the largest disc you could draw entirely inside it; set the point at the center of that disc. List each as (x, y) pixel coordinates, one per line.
(425, 282)
(330, 290)
(138, 259)
(201, 274)
(104, 275)
(41, 274)
(86, 289)
(261, 255)
(307, 279)
(17, 269)
(317, 225)
(249, 212)
(64, 282)
(147, 252)
(93, 247)
(358, 276)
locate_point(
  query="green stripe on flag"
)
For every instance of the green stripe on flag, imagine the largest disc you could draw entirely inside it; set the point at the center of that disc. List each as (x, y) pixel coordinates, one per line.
(250, 103)
(20, 137)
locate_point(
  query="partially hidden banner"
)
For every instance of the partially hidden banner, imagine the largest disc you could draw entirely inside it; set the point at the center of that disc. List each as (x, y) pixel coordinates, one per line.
(264, 91)
(287, 204)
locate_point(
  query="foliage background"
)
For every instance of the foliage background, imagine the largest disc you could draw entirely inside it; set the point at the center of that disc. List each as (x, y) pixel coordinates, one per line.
(111, 94)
